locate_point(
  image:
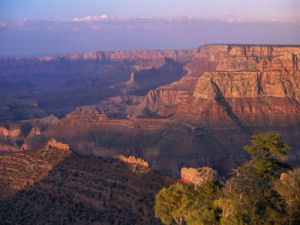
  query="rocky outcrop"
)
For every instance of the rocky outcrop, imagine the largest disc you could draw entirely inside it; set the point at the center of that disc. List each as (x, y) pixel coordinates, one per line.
(131, 81)
(137, 165)
(198, 176)
(11, 134)
(53, 144)
(133, 161)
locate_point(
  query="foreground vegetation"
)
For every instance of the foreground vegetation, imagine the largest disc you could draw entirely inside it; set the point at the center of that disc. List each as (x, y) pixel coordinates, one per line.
(265, 190)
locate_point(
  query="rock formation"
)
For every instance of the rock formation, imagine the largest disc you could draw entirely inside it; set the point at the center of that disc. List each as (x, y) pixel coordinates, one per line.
(53, 144)
(6, 133)
(137, 165)
(198, 176)
(131, 81)
(134, 161)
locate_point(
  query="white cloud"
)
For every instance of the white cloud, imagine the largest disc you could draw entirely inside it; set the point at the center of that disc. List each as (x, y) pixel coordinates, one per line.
(91, 18)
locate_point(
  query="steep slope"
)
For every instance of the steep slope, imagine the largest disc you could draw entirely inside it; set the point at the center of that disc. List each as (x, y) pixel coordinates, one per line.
(75, 189)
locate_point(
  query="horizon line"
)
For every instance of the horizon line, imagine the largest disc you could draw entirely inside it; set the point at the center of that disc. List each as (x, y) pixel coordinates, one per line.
(144, 50)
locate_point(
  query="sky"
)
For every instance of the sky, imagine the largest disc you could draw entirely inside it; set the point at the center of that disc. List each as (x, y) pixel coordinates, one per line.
(54, 27)
(66, 9)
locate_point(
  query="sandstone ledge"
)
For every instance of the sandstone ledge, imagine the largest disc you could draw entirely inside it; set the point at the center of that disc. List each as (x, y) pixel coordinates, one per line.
(137, 165)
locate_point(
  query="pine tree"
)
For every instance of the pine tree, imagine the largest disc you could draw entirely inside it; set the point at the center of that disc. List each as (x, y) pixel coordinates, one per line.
(253, 188)
(267, 152)
(187, 204)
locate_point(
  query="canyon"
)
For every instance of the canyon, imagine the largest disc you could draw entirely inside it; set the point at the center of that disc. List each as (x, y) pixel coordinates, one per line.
(172, 108)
